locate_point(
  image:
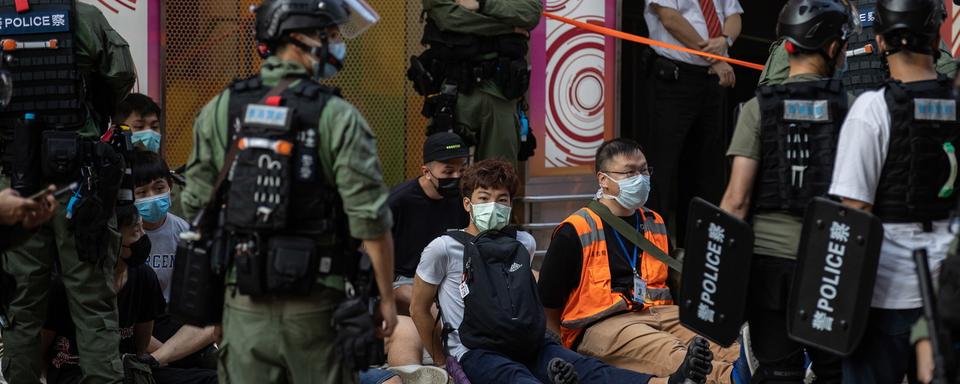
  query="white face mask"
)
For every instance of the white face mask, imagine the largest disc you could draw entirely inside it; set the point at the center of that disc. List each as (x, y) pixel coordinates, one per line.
(489, 216)
(634, 191)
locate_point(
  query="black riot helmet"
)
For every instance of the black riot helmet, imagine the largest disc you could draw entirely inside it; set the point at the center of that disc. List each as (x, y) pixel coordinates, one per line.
(277, 18)
(909, 24)
(813, 24)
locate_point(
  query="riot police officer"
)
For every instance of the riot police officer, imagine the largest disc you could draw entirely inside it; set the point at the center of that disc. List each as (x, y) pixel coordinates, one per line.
(783, 150)
(865, 68)
(475, 71)
(896, 157)
(304, 181)
(71, 69)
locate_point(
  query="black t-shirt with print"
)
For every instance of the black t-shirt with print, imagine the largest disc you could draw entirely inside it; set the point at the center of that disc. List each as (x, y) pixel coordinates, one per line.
(417, 220)
(139, 301)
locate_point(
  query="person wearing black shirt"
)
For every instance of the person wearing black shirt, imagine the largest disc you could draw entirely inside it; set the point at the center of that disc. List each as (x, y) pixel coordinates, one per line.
(423, 208)
(139, 302)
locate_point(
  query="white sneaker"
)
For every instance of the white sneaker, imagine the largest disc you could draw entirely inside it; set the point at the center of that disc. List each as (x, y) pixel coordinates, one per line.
(421, 374)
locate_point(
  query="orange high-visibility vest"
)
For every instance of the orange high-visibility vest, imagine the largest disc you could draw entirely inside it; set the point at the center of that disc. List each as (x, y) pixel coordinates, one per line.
(593, 299)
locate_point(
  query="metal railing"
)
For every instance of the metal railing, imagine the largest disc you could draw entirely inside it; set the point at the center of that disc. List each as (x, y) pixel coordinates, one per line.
(529, 201)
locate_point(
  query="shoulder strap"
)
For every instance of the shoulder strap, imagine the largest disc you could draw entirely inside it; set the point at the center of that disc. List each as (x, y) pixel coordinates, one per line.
(631, 234)
(461, 237)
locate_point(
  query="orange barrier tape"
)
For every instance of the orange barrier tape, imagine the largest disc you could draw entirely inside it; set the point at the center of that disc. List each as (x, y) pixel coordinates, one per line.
(643, 40)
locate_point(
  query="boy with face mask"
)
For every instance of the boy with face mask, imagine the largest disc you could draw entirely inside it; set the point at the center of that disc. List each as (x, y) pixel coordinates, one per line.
(139, 302)
(621, 311)
(142, 115)
(152, 192)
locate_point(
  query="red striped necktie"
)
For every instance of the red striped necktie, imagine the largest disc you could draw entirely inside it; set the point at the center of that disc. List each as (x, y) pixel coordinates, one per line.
(710, 16)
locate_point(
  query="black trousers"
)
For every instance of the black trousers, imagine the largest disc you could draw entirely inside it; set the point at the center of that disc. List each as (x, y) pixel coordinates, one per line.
(685, 142)
(781, 358)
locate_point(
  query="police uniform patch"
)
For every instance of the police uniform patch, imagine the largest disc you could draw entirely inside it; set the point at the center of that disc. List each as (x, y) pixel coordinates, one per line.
(268, 116)
(806, 110)
(935, 109)
(34, 22)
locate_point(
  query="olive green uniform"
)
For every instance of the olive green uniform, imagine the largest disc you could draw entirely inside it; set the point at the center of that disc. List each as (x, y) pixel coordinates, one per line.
(272, 340)
(775, 233)
(102, 52)
(777, 67)
(487, 117)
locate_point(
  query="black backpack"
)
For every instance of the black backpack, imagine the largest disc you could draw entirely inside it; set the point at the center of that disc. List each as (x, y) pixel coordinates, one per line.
(502, 310)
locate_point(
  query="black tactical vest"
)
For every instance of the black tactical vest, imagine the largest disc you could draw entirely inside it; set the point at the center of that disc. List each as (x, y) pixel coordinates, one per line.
(915, 184)
(41, 43)
(455, 46)
(276, 186)
(864, 71)
(799, 126)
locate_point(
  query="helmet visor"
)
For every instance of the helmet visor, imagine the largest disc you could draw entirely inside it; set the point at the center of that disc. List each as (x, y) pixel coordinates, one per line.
(6, 88)
(362, 17)
(853, 26)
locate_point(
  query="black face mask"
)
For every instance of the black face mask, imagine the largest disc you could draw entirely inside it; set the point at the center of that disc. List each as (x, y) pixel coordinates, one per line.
(449, 187)
(139, 251)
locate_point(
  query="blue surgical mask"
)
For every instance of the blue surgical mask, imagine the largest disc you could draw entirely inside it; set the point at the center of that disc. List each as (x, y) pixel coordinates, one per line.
(634, 191)
(149, 138)
(326, 70)
(487, 216)
(153, 209)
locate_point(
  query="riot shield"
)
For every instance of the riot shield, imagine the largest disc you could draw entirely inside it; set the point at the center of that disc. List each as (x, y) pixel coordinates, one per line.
(836, 269)
(716, 272)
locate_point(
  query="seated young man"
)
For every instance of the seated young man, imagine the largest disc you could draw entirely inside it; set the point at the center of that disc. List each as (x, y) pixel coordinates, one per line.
(606, 297)
(174, 343)
(139, 303)
(488, 188)
(423, 208)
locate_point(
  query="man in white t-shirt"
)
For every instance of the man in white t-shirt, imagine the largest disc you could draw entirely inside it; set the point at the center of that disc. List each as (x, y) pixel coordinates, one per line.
(488, 188)
(896, 158)
(685, 138)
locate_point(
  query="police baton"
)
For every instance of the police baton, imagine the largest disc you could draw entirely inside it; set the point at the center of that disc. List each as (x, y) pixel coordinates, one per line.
(930, 312)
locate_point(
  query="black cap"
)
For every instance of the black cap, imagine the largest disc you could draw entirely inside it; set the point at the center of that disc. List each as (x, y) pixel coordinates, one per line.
(444, 146)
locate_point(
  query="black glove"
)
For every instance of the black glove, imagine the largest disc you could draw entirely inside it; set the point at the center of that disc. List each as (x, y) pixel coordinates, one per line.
(562, 372)
(148, 360)
(696, 365)
(357, 342)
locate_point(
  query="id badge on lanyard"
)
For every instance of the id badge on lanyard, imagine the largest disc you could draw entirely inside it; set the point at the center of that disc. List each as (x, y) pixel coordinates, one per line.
(639, 288)
(639, 285)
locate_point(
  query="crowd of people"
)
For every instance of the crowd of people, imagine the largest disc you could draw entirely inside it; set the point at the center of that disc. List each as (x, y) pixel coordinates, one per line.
(311, 270)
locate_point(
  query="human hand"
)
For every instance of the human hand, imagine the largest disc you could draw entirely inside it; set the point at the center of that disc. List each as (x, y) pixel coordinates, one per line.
(218, 334)
(386, 317)
(725, 72)
(924, 361)
(471, 5)
(46, 209)
(521, 31)
(13, 208)
(717, 46)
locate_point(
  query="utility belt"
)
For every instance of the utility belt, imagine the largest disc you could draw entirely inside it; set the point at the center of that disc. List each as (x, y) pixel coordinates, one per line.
(441, 81)
(280, 265)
